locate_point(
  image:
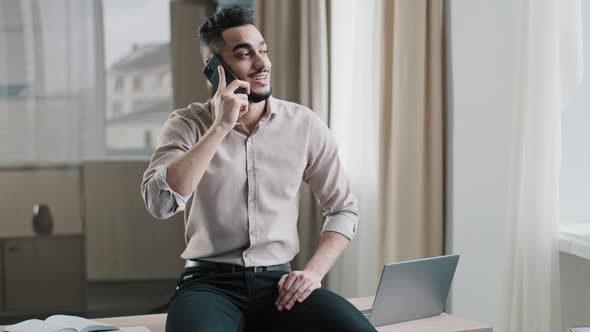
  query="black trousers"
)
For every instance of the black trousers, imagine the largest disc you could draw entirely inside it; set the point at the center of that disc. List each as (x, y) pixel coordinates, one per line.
(244, 301)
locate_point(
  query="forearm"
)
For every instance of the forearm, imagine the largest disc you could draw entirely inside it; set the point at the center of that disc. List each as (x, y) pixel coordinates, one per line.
(184, 173)
(331, 246)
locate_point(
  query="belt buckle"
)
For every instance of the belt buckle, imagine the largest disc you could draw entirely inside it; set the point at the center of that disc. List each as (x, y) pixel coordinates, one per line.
(258, 269)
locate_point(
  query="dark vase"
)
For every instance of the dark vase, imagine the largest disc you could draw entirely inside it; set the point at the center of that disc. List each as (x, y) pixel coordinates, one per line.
(42, 219)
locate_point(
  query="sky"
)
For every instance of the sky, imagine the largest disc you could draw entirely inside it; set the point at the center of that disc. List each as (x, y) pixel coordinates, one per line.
(137, 21)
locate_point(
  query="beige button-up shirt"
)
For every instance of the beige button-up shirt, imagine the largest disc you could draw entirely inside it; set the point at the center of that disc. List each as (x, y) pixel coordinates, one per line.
(245, 209)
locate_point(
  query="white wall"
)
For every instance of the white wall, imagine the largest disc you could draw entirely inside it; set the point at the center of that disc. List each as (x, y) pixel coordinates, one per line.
(481, 63)
(575, 291)
(575, 190)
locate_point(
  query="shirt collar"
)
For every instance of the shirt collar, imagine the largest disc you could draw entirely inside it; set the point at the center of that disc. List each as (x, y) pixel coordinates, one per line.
(271, 105)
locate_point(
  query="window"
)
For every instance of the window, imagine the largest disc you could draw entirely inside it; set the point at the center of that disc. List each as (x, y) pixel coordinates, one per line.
(55, 99)
(50, 110)
(116, 109)
(154, 82)
(148, 141)
(137, 84)
(119, 84)
(162, 78)
(140, 56)
(575, 169)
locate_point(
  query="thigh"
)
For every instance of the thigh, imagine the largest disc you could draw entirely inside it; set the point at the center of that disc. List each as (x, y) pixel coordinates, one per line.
(323, 310)
(202, 309)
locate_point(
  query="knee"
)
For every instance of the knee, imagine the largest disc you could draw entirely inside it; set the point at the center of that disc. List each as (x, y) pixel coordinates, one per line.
(325, 296)
(337, 313)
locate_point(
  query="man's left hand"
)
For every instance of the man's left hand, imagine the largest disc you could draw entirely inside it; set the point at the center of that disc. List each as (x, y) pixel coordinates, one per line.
(296, 286)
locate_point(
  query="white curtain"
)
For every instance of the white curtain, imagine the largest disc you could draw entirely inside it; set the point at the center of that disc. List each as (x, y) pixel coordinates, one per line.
(356, 34)
(550, 58)
(50, 103)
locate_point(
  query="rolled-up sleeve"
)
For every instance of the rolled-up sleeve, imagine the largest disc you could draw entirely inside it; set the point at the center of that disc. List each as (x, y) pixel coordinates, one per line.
(177, 136)
(329, 182)
(160, 178)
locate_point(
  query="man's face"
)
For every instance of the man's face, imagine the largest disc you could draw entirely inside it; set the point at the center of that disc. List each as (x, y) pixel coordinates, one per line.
(246, 53)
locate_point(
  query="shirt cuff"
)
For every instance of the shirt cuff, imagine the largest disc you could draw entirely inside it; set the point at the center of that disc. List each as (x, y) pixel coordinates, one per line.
(342, 224)
(163, 185)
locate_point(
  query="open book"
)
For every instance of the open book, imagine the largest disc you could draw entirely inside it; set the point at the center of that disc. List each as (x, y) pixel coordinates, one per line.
(63, 323)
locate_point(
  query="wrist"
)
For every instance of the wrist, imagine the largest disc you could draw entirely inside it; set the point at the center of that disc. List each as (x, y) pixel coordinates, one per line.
(315, 271)
(220, 128)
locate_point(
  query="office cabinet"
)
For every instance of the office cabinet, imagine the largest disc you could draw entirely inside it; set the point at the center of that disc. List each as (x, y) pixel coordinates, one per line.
(102, 234)
(123, 242)
(1, 278)
(22, 189)
(43, 272)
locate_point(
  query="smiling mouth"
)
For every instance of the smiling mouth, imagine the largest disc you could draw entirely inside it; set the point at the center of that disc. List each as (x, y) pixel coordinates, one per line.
(260, 77)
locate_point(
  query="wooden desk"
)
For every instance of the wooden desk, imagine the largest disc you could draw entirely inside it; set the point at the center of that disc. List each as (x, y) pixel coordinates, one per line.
(442, 323)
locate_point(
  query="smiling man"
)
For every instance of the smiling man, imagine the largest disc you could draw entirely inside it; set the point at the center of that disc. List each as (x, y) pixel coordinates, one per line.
(234, 165)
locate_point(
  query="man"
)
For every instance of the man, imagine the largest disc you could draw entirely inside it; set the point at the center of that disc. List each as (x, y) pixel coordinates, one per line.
(234, 165)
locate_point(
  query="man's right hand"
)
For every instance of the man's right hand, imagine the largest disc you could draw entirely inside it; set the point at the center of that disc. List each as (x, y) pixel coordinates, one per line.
(227, 105)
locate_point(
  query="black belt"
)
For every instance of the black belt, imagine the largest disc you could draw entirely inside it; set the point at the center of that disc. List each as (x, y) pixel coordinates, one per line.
(207, 266)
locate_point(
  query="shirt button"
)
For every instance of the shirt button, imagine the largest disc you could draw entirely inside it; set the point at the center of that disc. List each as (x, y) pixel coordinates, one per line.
(252, 232)
(251, 171)
(246, 254)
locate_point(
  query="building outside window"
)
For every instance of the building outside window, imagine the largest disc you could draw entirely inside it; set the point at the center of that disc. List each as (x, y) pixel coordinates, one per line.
(141, 57)
(119, 84)
(137, 83)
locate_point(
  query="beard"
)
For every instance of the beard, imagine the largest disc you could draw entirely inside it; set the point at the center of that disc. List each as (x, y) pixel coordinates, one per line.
(256, 97)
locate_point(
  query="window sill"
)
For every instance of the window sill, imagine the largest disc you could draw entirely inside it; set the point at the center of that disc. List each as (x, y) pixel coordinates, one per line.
(574, 238)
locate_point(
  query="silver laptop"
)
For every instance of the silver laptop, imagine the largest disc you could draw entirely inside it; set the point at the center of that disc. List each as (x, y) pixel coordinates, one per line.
(412, 290)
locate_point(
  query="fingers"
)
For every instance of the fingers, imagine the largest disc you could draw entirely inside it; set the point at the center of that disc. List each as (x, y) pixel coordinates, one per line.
(242, 99)
(243, 108)
(244, 103)
(306, 292)
(291, 294)
(292, 289)
(296, 287)
(284, 286)
(221, 83)
(296, 291)
(237, 84)
(282, 281)
(241, 96)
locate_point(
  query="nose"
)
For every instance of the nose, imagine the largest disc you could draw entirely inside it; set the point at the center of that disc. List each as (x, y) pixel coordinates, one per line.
(261, 61)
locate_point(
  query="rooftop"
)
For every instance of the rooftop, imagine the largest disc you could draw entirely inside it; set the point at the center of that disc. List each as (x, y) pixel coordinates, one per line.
(144, 56)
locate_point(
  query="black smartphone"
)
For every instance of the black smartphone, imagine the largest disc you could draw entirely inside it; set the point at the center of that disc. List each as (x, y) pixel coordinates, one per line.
(212, 74)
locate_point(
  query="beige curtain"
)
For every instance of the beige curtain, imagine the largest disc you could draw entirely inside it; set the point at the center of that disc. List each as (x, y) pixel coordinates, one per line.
(297, 35)
(188, 82)
(411, 221)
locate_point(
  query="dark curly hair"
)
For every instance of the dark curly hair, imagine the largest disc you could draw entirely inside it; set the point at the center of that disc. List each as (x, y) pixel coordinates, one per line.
(210, 32)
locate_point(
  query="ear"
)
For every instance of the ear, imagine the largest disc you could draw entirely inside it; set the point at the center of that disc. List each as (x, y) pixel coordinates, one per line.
(206, 54)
